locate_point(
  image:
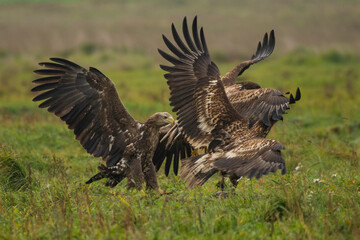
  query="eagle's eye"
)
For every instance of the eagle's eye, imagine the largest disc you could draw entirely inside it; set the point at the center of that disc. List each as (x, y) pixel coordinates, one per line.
(165, 117)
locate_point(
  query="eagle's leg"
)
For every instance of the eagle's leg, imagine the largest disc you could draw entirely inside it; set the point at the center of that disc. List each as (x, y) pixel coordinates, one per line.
(150, 176)
(221, 184)
(135, 175)
(234, 180)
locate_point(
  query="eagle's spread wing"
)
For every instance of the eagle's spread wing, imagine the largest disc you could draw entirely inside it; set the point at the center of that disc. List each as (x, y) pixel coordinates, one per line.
(251, 158)
(89, 104)
(191, 62)
(207, 114)
(263, 50)
(197, 93)
(262, 104)
(173, 147)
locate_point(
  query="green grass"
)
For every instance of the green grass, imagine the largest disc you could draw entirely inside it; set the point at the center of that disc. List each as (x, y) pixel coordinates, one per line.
(318, 198)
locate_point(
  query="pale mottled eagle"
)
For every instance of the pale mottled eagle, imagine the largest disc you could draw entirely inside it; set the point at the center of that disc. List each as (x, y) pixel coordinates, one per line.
(89, 104)
(262, 107)
(229, 118)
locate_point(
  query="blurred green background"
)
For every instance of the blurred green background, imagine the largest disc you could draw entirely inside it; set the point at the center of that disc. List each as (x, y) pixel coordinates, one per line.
(121, 39)
(41, 164)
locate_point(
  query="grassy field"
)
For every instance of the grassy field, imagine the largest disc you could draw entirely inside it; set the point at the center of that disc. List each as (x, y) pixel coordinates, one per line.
(43, 168)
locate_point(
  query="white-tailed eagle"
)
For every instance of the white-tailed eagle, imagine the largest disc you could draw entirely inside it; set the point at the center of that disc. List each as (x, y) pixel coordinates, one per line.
(260, 106)
(89, 104)
(230, 119)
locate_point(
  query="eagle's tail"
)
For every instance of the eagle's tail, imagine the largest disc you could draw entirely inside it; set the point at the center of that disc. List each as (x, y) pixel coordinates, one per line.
(195, 171)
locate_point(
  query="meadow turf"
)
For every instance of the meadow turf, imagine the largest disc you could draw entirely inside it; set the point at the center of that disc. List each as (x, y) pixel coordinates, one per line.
(43, 168)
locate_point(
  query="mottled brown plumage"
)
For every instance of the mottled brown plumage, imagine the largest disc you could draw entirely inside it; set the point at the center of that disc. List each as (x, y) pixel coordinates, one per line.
(261, 107)
(89, 104)
(208, 119)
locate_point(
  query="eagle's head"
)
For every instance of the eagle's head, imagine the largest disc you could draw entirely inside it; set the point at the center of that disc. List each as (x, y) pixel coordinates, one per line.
(161, 119)
(248, 85)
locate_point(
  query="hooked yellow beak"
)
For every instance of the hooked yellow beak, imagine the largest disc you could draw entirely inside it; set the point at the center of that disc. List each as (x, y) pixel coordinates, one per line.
(171, 121)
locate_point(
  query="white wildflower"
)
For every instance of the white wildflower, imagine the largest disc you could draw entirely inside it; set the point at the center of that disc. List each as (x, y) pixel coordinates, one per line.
(317, 180)
(298, 167)
(334, 175)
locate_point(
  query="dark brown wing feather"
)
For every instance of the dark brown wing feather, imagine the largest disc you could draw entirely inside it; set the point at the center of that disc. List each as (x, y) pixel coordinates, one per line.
(197, 93)
(263, 104)
(263, 51)
(89, 104)
(172, 147)
(207, 114)
(191, 62)
(251, 158)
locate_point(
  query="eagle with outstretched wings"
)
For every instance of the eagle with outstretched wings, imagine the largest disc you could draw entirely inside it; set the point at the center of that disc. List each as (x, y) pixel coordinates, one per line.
(261, 107)
(89, 104)
(233, 133)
